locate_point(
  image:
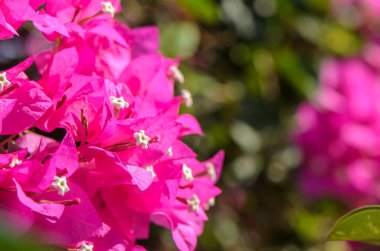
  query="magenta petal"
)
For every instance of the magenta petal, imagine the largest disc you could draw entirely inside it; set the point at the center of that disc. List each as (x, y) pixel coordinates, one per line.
(109, 170)
(190, 125)
(64, 63)
(48, 25)
(77, 223)
(31, 104)
(146, 41)
(5, 159)
(12, 15)
(141, 73)
(105, 29)
(60, 72)
(16, 70)
(35, 143)
(36, 3)
(127, 206)
(163, 220)
(6, 30)
(106, 238)
(50, 210)
(137, 248)
(217, 161)
(65, 157)
(6, 106)
(185, 237)
(140, 177)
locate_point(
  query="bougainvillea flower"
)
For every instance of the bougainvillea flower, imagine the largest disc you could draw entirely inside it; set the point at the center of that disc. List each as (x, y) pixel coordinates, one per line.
(340, 132)
(91, 152)
(64, 18)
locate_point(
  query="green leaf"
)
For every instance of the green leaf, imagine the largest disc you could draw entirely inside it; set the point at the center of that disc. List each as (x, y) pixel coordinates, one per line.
(362, 225)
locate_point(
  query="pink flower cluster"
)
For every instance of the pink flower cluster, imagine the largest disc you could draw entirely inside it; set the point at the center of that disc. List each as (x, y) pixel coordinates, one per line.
(91, 153)
(339, 134)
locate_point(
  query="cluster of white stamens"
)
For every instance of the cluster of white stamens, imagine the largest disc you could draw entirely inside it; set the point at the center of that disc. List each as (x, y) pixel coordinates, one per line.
(86, 247)
(15, 162)
(4, 82)
(187, 98)
(119, 103)
(177, 74)
(209, 204)
(187, 173)
(170, 152)
(211, 171)
(108, 8)
(141, 139)
(194, 203)
(151, 170)
(60, 184)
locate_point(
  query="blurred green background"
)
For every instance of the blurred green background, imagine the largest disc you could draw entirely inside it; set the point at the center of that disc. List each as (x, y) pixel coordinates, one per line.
(248, 64)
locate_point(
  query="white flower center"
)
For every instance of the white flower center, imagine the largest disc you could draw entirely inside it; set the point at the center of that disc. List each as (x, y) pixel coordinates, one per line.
(170, 151)
(108, 8)
(187, 98)
(151, 170)
(119, 103)
(194, 203)
(187, 172)
(211, 171)
(60, 184)
(15, 162)
(141, 139)
(177, 74)
(211, 202)
(86, 247)
(4, 82)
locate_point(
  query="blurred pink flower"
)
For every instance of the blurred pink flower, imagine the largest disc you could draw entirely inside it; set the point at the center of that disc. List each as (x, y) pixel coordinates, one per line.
(339, 134)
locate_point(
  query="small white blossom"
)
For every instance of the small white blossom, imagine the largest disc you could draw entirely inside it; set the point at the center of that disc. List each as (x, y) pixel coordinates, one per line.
(151, 170)
(170, 152)
(187, 98)
(187, 173)
(4, 82)
(108, 8)
(119, 103)
(60, 183)
(211, 171)
(177, 74)
(194, 203)
(15, 162)
(86, 247)
(209, 204)
(141, 139)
